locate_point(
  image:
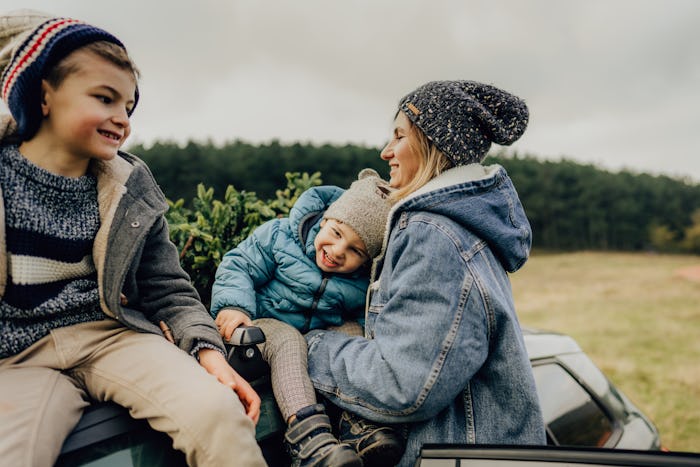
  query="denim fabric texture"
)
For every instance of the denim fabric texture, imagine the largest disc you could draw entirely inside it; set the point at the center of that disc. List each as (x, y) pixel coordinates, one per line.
(443, 350)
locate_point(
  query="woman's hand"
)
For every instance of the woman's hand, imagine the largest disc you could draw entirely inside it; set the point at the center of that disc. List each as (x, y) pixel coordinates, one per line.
(215, 363)
(229, 319)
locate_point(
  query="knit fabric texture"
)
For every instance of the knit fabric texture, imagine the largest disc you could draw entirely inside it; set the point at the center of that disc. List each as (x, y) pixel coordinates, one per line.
(50, 223)
(30, 45)
(364, 207)
(463, 118)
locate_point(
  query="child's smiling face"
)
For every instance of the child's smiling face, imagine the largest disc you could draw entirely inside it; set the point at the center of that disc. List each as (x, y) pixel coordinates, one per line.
(338, 248)
(86, 115)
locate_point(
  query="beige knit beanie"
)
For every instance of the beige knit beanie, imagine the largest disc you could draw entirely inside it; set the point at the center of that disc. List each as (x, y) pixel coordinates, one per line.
(364, 207)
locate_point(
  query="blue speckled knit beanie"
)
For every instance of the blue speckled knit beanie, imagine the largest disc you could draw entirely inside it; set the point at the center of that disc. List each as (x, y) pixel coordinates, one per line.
(31, 43)
(463, 118)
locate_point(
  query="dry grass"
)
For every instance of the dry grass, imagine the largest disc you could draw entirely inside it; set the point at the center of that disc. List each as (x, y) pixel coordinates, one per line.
(637, 316)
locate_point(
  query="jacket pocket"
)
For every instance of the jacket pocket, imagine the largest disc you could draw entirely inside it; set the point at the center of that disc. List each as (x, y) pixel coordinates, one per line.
(375, 304)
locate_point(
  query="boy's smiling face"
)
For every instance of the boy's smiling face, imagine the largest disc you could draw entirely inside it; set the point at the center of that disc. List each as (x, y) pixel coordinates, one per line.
(338, 248)
(86, 115)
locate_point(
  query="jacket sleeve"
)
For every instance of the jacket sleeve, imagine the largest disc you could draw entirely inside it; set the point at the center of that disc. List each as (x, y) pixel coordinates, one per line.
(166, 293)
(244, 269)
(429, 339)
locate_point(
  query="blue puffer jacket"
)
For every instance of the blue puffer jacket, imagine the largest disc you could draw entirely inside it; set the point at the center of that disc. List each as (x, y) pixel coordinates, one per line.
(273, 273)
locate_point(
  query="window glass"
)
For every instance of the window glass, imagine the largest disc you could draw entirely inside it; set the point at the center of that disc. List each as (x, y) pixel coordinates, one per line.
(573, 417)
(136, 449)
(601, 387)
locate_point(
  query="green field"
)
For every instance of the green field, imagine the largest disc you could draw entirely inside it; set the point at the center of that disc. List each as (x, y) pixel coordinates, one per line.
(637, 316)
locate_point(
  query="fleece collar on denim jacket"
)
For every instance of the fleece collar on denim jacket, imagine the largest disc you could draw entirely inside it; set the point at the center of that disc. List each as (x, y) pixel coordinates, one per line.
(483, 200)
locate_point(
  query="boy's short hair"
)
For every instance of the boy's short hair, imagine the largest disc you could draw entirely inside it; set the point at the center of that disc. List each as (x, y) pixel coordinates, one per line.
(31, 44)
(109, 51)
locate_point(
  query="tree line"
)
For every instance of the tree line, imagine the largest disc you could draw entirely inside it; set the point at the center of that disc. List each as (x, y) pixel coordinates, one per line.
(571, 206)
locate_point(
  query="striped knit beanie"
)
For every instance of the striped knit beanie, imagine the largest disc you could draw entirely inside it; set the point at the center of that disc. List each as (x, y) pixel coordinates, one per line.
(31, 43)
(463, 118)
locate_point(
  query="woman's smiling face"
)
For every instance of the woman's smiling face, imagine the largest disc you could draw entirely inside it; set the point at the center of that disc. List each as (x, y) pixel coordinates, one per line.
(403, 160)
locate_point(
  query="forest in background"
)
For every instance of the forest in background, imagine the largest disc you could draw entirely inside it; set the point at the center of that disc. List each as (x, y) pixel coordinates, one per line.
(571, 206)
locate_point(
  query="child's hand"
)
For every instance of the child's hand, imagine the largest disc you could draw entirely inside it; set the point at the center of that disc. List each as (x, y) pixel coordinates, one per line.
(215, 363)
(229, 319)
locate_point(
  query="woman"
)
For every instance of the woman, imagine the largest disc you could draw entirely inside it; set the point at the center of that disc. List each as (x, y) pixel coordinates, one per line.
(443, 352)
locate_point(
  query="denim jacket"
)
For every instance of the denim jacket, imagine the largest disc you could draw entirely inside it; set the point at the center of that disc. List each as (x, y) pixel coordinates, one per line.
(139, 276)
(443, 350)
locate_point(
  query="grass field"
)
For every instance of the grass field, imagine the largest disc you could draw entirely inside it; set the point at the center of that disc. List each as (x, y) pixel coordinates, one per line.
(636, 316)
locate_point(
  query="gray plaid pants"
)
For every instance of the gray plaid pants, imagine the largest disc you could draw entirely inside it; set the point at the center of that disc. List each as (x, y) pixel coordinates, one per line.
(284, 350)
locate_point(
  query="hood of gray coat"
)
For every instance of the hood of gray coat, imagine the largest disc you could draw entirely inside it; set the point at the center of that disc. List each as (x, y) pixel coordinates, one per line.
(141, 182)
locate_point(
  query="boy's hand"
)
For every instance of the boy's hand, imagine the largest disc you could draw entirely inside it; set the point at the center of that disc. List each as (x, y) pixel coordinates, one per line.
(216, 364)
(229, 319)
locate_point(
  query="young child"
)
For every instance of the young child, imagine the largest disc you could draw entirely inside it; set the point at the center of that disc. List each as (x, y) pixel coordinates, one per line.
(306, 272)
(89, 281)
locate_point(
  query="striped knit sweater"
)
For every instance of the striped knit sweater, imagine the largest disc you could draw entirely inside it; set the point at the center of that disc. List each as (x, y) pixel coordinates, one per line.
(50, 224)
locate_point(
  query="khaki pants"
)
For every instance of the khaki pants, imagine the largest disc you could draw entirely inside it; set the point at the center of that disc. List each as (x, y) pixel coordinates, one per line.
(44, 389)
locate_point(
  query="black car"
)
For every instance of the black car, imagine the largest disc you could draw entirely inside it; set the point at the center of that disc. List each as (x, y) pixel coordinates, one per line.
(550, 456)
(582, 408)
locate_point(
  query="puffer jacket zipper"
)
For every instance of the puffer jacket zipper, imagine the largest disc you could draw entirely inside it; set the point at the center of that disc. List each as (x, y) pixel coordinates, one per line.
(317, 298)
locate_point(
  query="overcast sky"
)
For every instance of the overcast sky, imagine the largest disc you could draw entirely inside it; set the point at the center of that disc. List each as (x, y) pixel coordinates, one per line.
(615, 83)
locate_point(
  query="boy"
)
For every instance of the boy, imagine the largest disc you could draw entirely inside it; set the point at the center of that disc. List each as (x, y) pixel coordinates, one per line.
(306, 272)
(87, 271)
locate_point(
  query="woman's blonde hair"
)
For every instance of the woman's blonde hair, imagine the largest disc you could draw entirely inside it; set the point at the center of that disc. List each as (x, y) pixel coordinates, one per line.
(432, 162)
